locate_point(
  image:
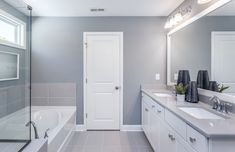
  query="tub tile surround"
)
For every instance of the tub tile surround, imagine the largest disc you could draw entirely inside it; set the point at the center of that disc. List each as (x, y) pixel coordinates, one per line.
(210, 129)
(13, 98)
(53, 94)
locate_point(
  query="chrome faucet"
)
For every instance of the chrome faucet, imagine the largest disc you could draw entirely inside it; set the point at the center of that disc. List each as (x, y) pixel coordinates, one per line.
(216, 102)
(34, 127)
(219, 105)
(46, 133)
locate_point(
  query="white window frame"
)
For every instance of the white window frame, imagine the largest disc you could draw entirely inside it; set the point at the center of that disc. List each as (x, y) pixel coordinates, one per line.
(20, 32)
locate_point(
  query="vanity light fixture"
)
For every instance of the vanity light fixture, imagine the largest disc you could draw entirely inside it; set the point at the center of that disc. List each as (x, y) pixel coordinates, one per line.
(174, 21)
(203, 1)
(168, 25)
(178, 17)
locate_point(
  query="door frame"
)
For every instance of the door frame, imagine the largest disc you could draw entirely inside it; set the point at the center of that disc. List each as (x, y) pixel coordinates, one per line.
(85, 35)
(213, 36)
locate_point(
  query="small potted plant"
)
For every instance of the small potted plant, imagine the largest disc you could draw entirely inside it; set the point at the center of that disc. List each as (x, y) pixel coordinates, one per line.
(180, 92)
(222, 88)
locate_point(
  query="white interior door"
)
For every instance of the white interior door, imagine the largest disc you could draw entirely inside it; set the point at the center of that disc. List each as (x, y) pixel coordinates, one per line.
(103, 73)
(223, 59)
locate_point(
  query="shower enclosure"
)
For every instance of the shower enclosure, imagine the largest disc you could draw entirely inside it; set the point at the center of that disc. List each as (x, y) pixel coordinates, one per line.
(15, 48)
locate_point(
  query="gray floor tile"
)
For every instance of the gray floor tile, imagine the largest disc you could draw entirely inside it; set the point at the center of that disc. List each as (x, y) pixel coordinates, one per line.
(78, 139)
(108, 141)
(111, 149)
(72, 149)
(92, 149)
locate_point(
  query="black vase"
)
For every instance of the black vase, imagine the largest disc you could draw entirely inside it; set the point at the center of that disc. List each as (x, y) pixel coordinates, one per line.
(192, 93)
(203, 79)
(213, 86)
(183, 77)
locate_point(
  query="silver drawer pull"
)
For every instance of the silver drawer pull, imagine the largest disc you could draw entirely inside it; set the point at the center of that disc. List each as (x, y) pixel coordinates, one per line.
(192, 140)
(153, 106)
(146, 109)
(171, 137)
(159, 111)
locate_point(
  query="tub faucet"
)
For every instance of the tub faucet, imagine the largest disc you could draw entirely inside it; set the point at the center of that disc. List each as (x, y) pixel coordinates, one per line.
(34, 127)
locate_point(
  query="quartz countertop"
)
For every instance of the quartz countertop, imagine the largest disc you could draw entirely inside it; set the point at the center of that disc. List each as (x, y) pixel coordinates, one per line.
(211, 128)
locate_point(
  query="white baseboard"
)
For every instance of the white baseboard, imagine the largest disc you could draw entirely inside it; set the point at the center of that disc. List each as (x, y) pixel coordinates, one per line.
(80, 128)
(131, 128)
(123, 128)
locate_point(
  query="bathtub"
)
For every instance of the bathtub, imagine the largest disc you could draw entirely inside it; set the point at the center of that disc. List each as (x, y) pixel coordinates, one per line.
(60, 121)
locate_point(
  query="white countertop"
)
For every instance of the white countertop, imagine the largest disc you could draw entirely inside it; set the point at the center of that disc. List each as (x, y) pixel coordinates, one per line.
(217, 128)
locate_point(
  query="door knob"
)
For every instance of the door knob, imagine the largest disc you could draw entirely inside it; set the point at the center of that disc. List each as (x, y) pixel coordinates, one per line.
(117, 87)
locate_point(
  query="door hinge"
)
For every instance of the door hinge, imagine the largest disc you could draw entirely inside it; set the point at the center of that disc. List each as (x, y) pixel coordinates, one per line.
(86, 45)
(86, 80)
(86, 115)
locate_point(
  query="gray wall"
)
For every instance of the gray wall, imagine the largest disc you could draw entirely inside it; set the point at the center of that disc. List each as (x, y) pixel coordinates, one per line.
(14, 94)
(58, 55)
(191, 46)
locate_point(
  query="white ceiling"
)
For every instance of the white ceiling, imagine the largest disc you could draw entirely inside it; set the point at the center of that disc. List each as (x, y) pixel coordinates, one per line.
(112, 7)
(226, 10)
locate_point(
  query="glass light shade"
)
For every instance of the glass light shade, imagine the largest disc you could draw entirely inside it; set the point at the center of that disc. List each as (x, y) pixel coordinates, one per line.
(173, 21)
(178, 17)
(203, 1)
(168, 25)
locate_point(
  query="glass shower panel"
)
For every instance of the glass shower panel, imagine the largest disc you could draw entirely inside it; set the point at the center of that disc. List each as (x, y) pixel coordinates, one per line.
(15, 48)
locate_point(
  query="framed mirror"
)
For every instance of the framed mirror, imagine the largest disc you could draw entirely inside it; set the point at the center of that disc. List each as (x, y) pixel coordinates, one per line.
(208, 44)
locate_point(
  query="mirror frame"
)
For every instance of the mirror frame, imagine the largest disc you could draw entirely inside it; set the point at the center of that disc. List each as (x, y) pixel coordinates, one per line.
(194, 18)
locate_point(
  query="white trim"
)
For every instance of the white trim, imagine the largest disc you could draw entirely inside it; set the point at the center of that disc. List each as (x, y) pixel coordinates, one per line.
(85, 73)
(80, 128)
(184, 24)
(221, 96)
(21, 45)
(18, 66)
(131, 128)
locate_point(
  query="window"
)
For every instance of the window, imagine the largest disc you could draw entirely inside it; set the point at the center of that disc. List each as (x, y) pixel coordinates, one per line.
(12, 31)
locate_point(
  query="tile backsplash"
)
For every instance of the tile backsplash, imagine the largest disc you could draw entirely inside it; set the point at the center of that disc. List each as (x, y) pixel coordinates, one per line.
(53, 94)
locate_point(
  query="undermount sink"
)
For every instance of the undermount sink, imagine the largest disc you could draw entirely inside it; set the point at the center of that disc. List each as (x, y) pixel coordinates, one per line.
(200, 113)
(162, 95)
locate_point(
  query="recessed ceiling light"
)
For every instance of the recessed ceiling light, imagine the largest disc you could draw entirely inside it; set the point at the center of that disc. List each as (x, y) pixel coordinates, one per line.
(203, 1)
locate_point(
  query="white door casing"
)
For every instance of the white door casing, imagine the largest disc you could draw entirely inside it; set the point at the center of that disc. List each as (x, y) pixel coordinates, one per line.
(222, 59)
(103, 57)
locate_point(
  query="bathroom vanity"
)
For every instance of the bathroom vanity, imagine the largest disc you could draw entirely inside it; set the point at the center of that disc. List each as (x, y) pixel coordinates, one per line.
(185, 127)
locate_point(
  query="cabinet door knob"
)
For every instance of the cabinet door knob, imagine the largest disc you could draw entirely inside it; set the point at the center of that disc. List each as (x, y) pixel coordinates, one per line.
(153, 106)
(146, 109)
(117, 87)
(192, 140)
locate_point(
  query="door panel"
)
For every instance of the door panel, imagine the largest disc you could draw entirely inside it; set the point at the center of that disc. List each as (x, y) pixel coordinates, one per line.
(103, 74)
(223, 54)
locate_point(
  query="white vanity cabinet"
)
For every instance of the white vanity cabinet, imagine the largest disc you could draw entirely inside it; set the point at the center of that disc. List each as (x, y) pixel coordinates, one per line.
(161, 135)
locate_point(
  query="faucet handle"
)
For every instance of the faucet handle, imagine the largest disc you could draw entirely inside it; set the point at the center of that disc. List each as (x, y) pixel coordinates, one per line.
(226, 107)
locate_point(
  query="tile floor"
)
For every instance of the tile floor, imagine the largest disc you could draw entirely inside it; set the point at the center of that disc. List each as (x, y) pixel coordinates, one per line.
(108, 141)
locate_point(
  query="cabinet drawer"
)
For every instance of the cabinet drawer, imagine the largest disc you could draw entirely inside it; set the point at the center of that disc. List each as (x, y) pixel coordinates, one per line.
(176, 123)
(159, 110)
(197, 140)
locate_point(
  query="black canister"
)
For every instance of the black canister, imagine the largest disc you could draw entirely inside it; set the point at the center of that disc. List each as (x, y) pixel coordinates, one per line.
(203, 79)
(213, 86)
(183, 77)
(192, 93)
